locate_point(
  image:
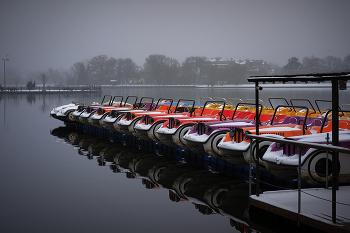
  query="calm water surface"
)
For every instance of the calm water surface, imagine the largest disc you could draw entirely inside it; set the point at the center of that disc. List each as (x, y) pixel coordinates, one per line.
(49, 184)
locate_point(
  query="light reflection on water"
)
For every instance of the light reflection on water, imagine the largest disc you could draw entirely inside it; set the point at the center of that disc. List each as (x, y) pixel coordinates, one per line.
(54, 187)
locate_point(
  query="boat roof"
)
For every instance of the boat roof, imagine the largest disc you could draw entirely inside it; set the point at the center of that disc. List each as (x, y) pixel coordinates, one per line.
(316, 77)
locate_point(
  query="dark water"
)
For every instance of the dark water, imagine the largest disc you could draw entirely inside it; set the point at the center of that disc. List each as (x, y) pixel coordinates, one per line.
(49, 185)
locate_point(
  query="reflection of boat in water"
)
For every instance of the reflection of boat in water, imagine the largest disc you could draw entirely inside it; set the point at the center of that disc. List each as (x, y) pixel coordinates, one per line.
(69, 135)
(154, 170)
(153, 173)
(166, 176)
(96, 147)
(122, 160)
(210, 193)
(201, 188)
(141, 165)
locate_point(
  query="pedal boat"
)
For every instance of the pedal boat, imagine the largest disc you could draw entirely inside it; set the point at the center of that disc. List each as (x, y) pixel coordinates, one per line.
(203, 137)
(96, 119)
(63, 112)
(67, 112)
(147, 127)
(113, 116)
(172, 130)
(128, 122)
(235, 147)
(83, 112)
(282, 160)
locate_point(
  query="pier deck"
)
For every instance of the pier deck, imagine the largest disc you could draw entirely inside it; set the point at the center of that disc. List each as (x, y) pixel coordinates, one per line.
(316, 207)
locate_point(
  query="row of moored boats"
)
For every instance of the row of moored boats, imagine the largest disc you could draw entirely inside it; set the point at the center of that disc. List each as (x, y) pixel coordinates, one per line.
(218, 128)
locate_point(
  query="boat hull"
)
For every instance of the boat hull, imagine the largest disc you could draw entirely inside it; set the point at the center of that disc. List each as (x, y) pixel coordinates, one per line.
(143, 134)
(282, 171)
(234, 157)
(196, 147)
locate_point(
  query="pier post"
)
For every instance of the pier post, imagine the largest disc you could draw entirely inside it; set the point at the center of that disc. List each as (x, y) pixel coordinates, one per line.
(250, 169)
(335, 142)
(257, 88)
(299, 183)
(327, 157)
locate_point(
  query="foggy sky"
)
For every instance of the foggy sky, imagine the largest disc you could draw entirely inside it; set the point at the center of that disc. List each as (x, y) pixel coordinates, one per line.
(42, 34)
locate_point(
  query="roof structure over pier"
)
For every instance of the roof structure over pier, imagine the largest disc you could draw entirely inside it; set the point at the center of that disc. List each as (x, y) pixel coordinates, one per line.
(338, 81)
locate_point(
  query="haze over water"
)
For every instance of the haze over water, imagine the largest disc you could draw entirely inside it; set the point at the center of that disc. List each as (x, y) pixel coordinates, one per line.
(38, 35)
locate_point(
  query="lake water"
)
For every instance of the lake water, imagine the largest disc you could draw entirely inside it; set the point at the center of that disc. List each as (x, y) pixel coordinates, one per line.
(51, 184)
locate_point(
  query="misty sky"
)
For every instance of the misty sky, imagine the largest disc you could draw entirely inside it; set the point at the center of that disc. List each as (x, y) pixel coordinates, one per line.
(42, 34)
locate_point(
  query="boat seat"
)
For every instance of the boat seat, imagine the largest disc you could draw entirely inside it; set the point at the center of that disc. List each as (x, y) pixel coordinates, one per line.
(326, 129)
(242, 115)
(164, 107)
(291, 120)
(278, 118)
(344, 124)
(251, 116)
(228, 113)
(314, 121)
(265, 117)
(208, 111)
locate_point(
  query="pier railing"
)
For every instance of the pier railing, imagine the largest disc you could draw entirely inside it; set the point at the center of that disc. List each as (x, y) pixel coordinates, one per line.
(300, 146)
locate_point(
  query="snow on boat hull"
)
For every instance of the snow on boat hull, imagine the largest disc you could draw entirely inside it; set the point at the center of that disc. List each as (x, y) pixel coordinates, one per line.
(83, 118)
(76, 115)
(148, 134)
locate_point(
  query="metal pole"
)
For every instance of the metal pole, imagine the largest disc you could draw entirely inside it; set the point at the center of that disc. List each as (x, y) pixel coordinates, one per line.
(299, 183)
(250, 169)
(257, 133)
(5, 59)
(327, 162)
(335, 142)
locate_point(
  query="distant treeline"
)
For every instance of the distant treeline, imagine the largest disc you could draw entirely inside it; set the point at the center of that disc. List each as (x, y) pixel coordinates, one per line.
(160, 69)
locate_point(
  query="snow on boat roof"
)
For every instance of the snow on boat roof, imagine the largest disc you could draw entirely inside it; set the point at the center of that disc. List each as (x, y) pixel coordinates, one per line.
(236, 123)
(273, 129)
(204, 119)
(317, 77)
(321, 137)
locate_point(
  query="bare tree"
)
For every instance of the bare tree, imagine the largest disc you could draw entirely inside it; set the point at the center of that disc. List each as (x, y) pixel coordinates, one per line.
(43, 78)
(346, 62)
(192, 69)
(80, 73)
(55, 75)
(312, 64)
(99, 70)
(16, 80)
(161, 69)
(332, 64)
(293, 66)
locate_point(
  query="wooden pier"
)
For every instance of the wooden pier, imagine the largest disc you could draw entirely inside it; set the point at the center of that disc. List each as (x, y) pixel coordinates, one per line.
(316, 207)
